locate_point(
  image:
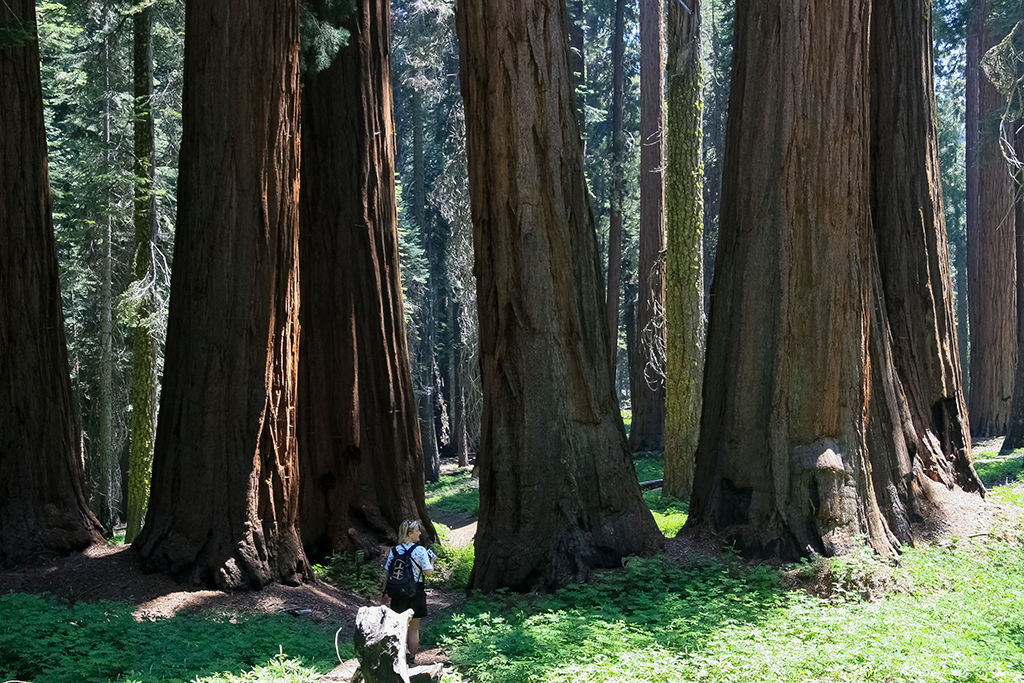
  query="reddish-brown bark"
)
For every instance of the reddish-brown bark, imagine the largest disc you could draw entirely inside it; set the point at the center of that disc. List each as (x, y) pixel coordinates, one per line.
(647, 364)
(818, 428)
(558, 494)
(360, 452)
(43, 503)
(991, 270)
(224, 505)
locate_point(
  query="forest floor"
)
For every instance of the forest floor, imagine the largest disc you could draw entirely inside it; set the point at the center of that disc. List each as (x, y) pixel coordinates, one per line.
(116, 573)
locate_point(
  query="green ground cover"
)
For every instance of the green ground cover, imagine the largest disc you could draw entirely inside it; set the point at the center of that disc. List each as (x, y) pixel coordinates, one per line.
(945, 613)
(47, 641)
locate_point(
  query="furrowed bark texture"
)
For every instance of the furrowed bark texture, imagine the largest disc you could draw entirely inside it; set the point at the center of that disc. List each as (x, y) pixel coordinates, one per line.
(647, 357)
(832, 407)
(910, 228)
(684, 303)
(144, 377)
(43, 505)
(782, 464)
(991, 271)
(224, 505)
(558, 495)
(361, 457)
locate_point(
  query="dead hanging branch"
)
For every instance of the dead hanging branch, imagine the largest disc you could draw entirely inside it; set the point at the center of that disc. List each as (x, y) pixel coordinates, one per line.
(1003, 64)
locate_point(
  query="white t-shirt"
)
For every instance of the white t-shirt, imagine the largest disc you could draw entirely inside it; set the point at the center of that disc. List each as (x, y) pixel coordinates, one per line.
(421, 560)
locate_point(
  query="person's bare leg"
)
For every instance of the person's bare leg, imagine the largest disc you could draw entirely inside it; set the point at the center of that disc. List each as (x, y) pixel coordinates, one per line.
(413, 637)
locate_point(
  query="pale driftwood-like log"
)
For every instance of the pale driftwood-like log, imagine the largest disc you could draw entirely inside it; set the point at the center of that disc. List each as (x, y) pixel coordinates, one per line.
(380, 648)
(380, 644)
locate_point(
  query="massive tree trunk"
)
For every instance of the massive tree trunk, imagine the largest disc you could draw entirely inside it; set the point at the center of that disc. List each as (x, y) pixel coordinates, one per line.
(361, 459)
(991, 271)
(808, 441)
(558, 495)
(910, 229)
(224, 504)
(647, 355)
(684, 303)
(43, 504)
(144, 379)
(617, 186)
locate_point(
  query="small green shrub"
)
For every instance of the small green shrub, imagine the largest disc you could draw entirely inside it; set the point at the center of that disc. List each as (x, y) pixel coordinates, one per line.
(352, 571)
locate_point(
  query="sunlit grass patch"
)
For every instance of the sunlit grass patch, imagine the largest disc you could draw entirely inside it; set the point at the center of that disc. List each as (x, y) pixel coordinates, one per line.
(458, 492)
(943, 614)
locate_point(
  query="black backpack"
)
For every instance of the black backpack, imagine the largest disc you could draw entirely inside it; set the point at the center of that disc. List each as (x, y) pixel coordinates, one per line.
(401, 580)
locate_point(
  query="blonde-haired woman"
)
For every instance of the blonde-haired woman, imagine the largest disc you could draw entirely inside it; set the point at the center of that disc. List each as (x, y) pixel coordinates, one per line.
(422, 565)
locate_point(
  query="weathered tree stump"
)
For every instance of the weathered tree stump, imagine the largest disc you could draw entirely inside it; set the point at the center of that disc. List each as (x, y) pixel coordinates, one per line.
(380, 648)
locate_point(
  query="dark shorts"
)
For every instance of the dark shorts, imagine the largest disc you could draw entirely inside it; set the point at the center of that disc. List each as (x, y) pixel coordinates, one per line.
(417, 603)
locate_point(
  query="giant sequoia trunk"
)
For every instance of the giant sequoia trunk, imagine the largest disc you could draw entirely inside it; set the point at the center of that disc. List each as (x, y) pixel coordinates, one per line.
(647, 354)
(808, 440)
(558, 494)
(991, 273)
(910, 229)
(43, 503)
(224, 507)
(361, 456)
(684, 303)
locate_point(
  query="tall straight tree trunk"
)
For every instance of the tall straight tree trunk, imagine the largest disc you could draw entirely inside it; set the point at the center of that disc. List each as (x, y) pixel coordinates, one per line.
(458, 391)
(809, 443)
(43, 497)
(428, 399)
(224, 504)
(962, 317)
(684, 302)
(104, 467)
(558, 493)
(990, 252)
(617, 185)
(647, 359)
(361, 459)
(908, 218)
(1015, 424)
(144, 379)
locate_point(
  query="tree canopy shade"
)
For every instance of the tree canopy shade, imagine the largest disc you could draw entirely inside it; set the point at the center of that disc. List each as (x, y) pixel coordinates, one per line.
(360, 453)
(43, 503)
(558, 495)
(224, 502)
(808, 440)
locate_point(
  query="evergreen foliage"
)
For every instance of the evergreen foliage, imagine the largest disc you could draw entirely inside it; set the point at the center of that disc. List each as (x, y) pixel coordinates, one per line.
(323, 32)
(85, 50)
